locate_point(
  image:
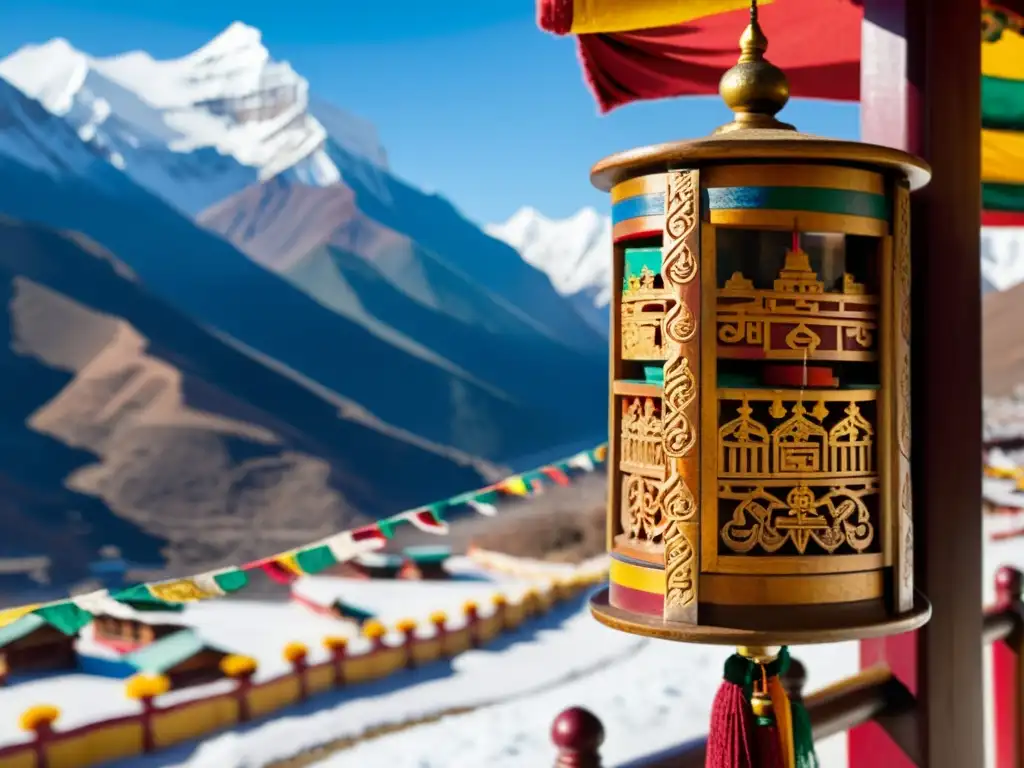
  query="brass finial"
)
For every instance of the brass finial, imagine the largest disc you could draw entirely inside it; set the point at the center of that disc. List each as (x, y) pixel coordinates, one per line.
(754, 89)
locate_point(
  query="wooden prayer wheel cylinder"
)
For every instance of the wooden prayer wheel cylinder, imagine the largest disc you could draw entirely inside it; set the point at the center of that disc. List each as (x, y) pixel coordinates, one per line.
(759, 440)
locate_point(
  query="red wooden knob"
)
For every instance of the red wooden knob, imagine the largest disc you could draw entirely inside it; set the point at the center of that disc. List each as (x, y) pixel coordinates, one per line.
(1009, 583)
(578, 734)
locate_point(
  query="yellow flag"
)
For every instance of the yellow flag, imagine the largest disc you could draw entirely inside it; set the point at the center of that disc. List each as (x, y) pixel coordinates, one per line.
(599, 16)
(181, 591)
(288, 561)
(13, 614)
(515, 485)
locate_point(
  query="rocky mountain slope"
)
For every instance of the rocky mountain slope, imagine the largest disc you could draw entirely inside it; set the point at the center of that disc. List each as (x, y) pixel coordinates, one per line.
(127, 423)
(453, 336)
(250, 333)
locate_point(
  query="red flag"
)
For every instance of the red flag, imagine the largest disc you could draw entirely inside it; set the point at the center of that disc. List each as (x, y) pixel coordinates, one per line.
(557, 475)
(815, 42)
(276, 571)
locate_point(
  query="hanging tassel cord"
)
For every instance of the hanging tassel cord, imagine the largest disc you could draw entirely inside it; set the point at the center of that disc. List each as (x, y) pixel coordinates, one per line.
(754, 723)
(770, 740)
(731, 732)
(802, 737)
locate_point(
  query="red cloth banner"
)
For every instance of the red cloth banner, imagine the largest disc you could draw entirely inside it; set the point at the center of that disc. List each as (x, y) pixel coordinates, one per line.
(815, 42)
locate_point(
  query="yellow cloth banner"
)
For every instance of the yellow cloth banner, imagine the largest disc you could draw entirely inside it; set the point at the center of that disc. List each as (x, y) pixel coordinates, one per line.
(1002, 157)
(180, 591)
(1004, 58)
(288, 561)
(13, 614)
(598, 16)
(515, 485)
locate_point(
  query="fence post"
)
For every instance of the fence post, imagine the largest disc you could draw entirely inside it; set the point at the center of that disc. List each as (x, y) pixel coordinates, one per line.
(374, 631)
(578, 734)
(500, 603)
(337, 646)
(471, 610)
(144, 689)
(1008, 674)
(39, 719)
(408, 629)
(296, 654)
(440, 621)
(240, 669)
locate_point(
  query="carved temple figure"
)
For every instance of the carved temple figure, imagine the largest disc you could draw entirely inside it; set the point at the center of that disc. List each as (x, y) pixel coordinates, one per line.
(643, 310)
(831, 464)
(801, 444)
(797, 318)
(643, 518)
(642, 448)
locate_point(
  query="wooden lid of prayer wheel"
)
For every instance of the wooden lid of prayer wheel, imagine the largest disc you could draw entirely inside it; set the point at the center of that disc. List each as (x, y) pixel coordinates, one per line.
(760, 421)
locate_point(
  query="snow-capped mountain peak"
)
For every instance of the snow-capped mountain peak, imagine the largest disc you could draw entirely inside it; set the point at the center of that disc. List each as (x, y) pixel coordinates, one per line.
(1002, 257)
(195, 129)
(575, 253)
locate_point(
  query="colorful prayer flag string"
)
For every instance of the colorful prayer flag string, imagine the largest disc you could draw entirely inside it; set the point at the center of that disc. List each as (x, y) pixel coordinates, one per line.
(72, 614)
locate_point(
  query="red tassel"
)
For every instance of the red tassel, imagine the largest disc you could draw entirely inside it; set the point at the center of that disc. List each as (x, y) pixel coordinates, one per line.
(769, 744)
(731, 735)
(769, 747)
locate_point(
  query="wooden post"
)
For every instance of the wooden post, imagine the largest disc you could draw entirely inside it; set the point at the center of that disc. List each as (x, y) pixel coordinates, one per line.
(242, 693)
(920, 91)
(500, 603)
(148, 710)
(1008, 674)
(472, 614)
(338, 648)
(440, 621)
(408, 629)
(44, 734)
(578, 734)
(794, 680)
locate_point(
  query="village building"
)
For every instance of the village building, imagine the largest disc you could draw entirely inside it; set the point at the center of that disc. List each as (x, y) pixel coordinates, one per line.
(425, 563)
(122, 627)
(413, 563)
(370, 565)
(31, 644)
(323, 595)
(113, 572)
(1002, 505)
(183, 657)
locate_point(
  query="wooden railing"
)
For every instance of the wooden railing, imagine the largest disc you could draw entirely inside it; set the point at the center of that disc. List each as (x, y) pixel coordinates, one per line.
(872, 694)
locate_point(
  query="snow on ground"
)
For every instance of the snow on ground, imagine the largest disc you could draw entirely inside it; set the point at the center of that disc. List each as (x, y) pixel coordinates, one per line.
(547, 652)
(262, 629)
(650, 694)
(654, 700)
(391, 600)
(650, 701)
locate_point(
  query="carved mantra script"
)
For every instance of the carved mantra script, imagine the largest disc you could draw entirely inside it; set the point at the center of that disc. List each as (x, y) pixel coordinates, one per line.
(906, 511)
(762, 519)
(678, 268)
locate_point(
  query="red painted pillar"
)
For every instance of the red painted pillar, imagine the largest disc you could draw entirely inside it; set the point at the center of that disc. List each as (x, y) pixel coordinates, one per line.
(1006, 676)
(920, 91)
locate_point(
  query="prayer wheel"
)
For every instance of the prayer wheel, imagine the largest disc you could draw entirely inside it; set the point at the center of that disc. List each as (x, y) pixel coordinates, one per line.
(759, 461)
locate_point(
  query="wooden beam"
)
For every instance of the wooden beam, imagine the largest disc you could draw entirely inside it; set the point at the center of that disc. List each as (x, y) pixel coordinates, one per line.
(920, 91)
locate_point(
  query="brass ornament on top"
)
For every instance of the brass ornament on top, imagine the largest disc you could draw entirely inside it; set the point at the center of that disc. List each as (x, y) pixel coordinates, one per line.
(759, 473)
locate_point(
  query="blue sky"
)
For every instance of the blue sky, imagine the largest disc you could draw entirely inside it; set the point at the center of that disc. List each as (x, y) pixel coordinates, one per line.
(471, 99)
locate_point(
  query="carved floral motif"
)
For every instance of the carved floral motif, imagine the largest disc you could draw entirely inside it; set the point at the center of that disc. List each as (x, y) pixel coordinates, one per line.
(679, 268)
(762, 520)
